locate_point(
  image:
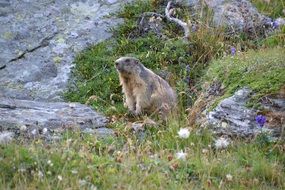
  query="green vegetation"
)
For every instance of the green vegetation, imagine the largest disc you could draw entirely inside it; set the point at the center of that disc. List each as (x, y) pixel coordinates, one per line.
(147, 161)
(130, 162)
(263, 71)
(271, 8)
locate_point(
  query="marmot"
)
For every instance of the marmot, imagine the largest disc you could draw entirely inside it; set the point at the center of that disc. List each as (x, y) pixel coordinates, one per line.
(144, 90)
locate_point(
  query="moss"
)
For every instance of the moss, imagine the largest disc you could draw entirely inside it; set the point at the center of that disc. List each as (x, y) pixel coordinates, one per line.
(262, 71)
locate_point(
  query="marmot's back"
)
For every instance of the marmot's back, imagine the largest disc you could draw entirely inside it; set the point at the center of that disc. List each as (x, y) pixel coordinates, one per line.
(143, 89)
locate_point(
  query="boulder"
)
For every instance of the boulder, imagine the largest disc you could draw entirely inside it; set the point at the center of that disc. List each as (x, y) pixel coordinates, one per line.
(43, 118)
(232, 117)
(39, 40)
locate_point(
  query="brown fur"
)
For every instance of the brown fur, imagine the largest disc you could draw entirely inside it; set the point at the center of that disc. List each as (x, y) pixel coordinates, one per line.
(144, 90)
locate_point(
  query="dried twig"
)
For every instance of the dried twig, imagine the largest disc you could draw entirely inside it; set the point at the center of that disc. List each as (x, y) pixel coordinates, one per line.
(184, 25)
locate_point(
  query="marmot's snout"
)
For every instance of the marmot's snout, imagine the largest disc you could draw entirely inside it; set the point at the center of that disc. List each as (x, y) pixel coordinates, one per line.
(117, 65)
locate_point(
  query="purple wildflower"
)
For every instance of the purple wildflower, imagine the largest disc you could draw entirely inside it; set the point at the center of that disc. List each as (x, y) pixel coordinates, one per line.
(233, 51)
(275, 24)
(260, 120)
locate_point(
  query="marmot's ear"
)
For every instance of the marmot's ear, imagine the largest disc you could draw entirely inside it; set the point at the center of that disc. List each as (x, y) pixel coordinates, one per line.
(137, 61)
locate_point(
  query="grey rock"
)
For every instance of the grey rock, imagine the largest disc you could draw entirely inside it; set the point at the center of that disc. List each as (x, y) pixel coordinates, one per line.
(235, 15)
(42, 117)
(239, 16)
(39, 40)
(232, 117)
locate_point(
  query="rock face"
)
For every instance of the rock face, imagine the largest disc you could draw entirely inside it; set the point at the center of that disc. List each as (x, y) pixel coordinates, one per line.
(237, 16)
(47, 114)
(36, 117)
(232, 117)
(38, 42)
(240, 16)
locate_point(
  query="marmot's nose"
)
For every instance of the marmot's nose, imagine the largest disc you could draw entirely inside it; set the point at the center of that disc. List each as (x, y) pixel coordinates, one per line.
(116, 63)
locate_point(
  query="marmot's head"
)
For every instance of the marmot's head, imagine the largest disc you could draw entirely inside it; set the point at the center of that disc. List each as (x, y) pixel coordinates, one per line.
(128, 65)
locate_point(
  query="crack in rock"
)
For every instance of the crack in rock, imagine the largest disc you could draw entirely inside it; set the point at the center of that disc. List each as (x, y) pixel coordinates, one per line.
(43, 43)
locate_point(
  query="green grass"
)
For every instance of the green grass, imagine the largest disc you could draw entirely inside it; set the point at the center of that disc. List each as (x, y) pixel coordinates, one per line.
(271, 8)
(130, 162)
(263, 71)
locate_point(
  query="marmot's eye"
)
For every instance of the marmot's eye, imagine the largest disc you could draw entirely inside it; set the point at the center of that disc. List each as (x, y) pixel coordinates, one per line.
(127, 60)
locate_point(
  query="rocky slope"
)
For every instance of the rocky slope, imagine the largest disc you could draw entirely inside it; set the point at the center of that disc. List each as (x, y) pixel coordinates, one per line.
(38, 42)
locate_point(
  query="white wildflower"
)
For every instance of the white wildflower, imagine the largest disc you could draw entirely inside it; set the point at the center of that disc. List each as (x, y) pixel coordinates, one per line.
(184, 133)
(59, 177)
(221, 143)
(40, 174)
(49, 172)
(153, 156)
(23, 128)
(205, 151)
(34, 132)
(6, 137)
(181, 155)
(49, 162)
(74, 171)
(45, 130)
(229, 177)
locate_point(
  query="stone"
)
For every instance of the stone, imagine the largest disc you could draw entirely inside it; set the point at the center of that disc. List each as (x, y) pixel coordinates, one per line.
(36, 118)
(40, 38)
(239, 16)
(236, 15)
(232, 117)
